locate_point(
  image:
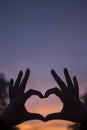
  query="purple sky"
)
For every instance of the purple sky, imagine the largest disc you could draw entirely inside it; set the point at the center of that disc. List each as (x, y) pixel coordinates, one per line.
(41, 35)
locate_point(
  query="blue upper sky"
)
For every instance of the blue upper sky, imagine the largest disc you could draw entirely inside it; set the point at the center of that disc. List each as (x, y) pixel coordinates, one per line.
(41, 35)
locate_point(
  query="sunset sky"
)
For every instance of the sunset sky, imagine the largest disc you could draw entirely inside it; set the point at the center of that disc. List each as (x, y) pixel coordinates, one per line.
(41, 35)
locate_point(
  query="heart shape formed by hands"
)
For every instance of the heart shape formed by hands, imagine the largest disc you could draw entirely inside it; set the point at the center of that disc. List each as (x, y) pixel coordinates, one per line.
(43, 105)
(68, 94)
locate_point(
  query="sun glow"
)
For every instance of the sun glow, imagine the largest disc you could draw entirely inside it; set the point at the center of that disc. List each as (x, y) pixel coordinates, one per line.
(46, 106)
(51, 125)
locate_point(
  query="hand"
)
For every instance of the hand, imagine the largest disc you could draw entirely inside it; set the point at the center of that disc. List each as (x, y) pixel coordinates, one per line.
(16, 112)
(73, 109)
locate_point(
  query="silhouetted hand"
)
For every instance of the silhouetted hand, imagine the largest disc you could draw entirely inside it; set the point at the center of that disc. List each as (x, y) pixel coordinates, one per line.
(16, 112)
(73, 109)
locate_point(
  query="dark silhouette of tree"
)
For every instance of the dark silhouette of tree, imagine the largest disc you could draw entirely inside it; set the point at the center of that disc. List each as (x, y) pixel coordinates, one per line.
(77, 126)
(4, 97)
(3, 93)
(84, 98)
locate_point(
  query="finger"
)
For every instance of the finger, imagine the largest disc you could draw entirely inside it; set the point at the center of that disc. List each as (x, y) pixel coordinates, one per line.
(53, 116)
(11, 87)
(59, 116)
(35, 92)
(24, 81)
(76, 86)
(55, 91)
(17, 82)
(33, 116)
(31, 92)
(68, 79)
(58, 80)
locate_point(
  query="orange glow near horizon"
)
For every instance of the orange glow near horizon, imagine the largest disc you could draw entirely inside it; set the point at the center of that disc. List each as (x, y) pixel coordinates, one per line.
(44, 106)
(38, 125)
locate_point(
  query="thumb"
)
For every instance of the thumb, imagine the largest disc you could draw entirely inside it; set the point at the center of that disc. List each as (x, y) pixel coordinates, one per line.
(55, 116)
(31, 92)
(33, 116)
(55, 91)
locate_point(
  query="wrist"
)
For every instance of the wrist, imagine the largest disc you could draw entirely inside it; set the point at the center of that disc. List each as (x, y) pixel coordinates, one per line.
(82, 116)
(5, 121)
(84, 125)
(3, 125)
(6, 118)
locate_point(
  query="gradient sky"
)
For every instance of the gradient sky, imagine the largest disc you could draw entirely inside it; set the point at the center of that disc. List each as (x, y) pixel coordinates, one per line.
(41, 35)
